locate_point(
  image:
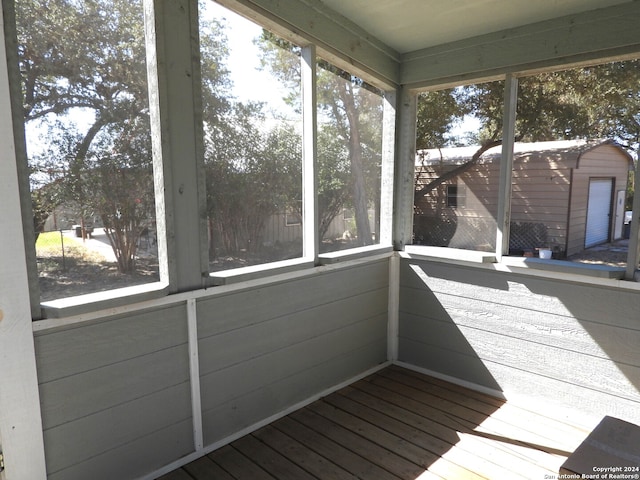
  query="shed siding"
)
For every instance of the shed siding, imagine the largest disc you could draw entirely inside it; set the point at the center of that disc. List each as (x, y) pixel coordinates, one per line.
(116, 393)
(548, 340)
(548, 188)
(262, 351)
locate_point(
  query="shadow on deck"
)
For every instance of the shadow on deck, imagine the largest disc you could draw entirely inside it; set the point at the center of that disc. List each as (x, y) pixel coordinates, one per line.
(397, 424)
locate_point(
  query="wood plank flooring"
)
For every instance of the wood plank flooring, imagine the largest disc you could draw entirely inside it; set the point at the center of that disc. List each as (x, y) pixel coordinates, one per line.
(397, 425)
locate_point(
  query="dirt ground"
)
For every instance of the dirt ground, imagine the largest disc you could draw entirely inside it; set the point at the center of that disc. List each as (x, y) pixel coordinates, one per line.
(612, 254)
(79, 277)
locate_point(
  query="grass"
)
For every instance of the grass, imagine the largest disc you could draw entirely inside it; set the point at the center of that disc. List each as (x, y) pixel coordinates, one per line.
(82, 270)
(50, 258)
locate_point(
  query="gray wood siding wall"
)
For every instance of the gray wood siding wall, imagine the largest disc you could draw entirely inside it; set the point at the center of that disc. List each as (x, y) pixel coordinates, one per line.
(264, 350)
(116, 392)
(549, 340)
(115, 395)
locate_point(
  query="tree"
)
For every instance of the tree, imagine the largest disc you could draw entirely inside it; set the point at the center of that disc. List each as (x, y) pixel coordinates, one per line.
(601, 101)
(351, 110)
(86, 59)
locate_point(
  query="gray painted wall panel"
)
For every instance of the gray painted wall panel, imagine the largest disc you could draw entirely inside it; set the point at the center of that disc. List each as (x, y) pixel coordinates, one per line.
(513, 332)
(220, 351)
(112, 385)
(135, 459)
(249, 374)
(598, 304)
(243, 411)
(228, 312)
(87, 346)
(103, 431)
(289, 341)
(115, 392)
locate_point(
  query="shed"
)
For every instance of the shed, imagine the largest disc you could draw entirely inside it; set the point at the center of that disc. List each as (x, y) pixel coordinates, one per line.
(566, 195)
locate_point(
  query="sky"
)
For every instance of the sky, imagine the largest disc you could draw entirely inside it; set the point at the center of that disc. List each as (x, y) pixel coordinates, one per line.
(250, 82)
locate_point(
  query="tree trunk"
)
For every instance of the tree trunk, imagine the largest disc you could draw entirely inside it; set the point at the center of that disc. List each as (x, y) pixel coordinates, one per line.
(360, 204)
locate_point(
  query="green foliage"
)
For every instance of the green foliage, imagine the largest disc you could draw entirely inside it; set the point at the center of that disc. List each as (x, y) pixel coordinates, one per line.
(86, 58)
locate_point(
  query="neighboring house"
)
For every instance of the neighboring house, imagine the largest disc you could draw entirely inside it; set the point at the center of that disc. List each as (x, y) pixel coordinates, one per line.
(566, 195)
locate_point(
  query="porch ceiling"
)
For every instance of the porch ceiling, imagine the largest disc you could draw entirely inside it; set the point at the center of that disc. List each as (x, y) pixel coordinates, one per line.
(410, 25)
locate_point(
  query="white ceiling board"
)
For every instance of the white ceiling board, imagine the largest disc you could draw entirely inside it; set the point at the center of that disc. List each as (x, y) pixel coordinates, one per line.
(419, 24)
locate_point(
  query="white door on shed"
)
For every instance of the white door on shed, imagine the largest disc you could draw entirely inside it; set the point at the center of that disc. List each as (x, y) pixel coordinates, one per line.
(598, 211)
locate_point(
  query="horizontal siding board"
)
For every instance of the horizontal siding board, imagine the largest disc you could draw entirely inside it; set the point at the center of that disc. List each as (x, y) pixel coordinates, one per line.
(609, 306)
(135, 459)
(220, 351)
(256, 372)
(270, 399)
(559, 331)
(535, 358)
(88, 346)
(465, 367)
(88, 437)
(549, 391)
(112, 385)
(228, 312)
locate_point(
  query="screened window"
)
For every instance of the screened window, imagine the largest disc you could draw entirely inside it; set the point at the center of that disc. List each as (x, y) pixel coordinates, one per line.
(252, 140)
(577, 129)
(459, 134)
(349, 160)
(86, 116)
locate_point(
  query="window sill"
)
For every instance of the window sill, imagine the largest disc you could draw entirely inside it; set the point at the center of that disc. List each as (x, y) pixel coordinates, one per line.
(563, 266)
(353, 254)
(527, 265)
(90, 302)
(237, 275)
(446, 254)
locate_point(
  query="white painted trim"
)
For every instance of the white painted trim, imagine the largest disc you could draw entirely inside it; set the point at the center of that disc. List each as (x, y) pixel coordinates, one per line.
(237, 275)
(393, 325)
(194, 374)
(20, 416)
(506, 166)
(256, 426)
(385, 235)
(456, 381)
(563, 270)
(310, 233)
(425, 252)
(68, 306)
(353, 253)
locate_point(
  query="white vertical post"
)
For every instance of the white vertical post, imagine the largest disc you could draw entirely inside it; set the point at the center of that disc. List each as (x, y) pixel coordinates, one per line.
(393, 322)
(194, 374)
(506, 166)
(404, 181)
(388, 168)
(311, 240)
(20, 418)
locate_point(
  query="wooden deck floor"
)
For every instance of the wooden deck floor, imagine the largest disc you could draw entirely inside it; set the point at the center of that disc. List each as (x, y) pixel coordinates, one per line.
(397, 424)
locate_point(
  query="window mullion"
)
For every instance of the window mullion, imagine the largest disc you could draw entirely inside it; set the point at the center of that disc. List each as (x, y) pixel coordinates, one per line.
(506, 166)
(311, 240)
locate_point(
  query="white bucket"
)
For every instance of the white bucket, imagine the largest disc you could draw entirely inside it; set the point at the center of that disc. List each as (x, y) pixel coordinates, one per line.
(544, 253)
